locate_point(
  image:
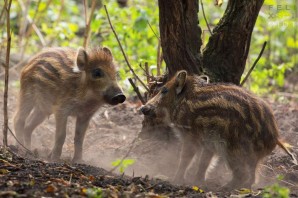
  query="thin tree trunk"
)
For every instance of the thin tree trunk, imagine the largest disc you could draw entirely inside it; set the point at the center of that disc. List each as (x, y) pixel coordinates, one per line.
(5, 128)
(225, 55)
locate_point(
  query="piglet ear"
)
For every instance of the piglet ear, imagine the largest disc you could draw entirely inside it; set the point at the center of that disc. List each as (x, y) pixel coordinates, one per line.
(82, 59)
(180, 80)
(107, 51)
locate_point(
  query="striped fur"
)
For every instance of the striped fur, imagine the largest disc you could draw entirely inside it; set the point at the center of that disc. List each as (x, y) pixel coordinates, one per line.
(64, 82)
(217, 119)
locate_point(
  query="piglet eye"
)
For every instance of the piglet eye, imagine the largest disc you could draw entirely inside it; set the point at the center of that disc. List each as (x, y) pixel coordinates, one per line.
(164, 90)
(97, 73)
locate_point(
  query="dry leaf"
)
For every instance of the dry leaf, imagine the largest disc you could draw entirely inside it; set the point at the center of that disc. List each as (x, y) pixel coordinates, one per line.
(51, 189)
(61, 181)
(91, 178)
(4, 171)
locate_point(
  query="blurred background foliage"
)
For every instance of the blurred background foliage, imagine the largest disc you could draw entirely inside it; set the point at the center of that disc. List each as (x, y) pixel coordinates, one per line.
(44, 23)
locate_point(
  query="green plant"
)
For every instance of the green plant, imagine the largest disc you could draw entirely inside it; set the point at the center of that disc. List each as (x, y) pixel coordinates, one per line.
(123, 164)
(276, 191)
(93, 192)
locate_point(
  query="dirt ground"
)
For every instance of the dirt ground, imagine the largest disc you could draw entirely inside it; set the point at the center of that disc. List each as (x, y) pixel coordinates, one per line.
(113, 134)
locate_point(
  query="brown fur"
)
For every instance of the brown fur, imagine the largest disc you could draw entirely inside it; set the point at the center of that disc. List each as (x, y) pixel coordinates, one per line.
(217, 119)
(61, 81)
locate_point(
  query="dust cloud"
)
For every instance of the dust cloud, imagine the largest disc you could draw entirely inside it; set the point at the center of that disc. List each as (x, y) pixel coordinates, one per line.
(110, 136)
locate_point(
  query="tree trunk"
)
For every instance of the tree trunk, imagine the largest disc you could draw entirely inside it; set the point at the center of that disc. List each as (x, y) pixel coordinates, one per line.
(180, 35)
(225, 55)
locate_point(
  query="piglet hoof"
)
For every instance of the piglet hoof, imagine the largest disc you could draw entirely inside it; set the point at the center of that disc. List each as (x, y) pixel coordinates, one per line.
(77, 161)
(53, 158)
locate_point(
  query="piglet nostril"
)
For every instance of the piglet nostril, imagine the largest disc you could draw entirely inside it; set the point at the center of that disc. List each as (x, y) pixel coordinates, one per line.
(145, 110)
(119, 98)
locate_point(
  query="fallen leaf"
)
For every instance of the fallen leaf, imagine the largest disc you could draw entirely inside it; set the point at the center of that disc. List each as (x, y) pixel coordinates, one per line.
(91, 178)
(243, 191)
(195, 188)
(4, 171)
(51, 189)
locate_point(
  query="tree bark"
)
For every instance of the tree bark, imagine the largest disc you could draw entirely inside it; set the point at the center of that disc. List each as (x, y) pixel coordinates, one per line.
(225, 55)
(180, 35)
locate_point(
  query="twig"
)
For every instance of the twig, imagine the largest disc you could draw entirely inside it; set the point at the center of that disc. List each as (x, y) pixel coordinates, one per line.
(2, 14)
(136, 89)
(16, 65)
(34, 21)
(69, 182)
(147, 72)
(254, 64)
(28, 32)
(140, 65)
(125, 57)
(125, 156)
(159, 53)
(202, 5)
(8, 32)
(38, 33)
(88, 21)
(159, 58)
(153, 30)
(20, 142)
(85, 2)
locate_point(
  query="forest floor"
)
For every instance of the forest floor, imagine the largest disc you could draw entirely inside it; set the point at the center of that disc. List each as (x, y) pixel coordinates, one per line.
(113, 134)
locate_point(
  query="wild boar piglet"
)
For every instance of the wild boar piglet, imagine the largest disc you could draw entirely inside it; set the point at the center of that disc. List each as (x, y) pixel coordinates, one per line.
(65, 82)
(217, 119)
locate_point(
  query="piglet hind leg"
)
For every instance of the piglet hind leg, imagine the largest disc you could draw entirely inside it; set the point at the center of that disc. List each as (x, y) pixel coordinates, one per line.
(35, 119)
(24, 108)
(61, 122)
(187, 153)
(243, 174)
(204, 162)
(81, 127)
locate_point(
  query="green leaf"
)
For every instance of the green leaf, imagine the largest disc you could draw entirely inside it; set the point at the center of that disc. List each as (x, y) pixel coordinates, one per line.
(141, 22)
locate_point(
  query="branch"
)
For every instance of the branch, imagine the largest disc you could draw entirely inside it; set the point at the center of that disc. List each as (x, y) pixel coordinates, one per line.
(254, 64)
(126, 155)
(2, 14)
(153, 30)
(35, 20)
(88, 21)
(147, 72)
(136, 89)
(20, 142)
(8, 32)
(125, 57)
(205, 17)
(28, 18)
(20, 63)
(159, 58)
